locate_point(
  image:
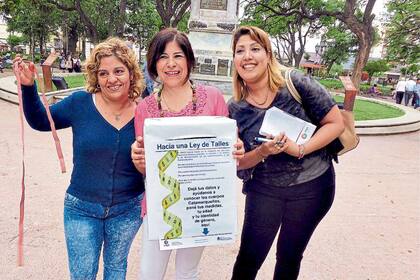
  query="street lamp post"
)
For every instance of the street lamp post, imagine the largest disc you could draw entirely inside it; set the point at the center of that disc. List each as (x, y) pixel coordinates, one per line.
(317, 48)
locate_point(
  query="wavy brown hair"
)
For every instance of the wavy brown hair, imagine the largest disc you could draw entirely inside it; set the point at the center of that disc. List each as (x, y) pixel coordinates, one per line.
(275, 78)
(118, 48)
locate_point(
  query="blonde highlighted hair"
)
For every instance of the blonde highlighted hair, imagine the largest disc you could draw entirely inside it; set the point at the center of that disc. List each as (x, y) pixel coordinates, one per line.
(275, 78)
(118, 48)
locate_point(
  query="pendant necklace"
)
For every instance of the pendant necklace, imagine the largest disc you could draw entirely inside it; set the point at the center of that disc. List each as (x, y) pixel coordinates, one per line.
(118, 116)
(160, 98)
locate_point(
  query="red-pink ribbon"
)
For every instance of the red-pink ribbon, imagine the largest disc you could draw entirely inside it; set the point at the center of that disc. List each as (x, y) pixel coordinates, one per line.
(22, 133)
(53, 130)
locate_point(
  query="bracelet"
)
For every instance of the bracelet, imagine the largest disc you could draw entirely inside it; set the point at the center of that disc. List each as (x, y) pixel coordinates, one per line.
(301, 151)
(258, 151)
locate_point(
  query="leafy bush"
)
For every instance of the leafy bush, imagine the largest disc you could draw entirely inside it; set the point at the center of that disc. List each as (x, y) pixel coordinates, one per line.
(331, 84)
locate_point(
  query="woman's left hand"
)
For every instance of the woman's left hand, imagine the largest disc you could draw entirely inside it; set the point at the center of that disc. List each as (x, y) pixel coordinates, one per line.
(239, 151)
(137, 155)
(293, 149)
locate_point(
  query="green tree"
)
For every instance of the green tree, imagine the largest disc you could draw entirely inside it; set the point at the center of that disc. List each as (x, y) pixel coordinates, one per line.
(356, 15)
(402, 36)
(336, 70)
(290, 32)
(183, 23)
(143, 22)
(14, 40)
(35, 19)
(340, 44)
(172, 12)
(101, 18)
(375, 66)
(413, 69)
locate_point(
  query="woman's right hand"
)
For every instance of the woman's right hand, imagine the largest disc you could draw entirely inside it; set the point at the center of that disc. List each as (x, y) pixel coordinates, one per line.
(25, 71)
(137, 155)
(277, 145)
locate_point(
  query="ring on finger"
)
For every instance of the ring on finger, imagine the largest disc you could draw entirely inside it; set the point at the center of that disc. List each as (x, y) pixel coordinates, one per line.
(279, 143)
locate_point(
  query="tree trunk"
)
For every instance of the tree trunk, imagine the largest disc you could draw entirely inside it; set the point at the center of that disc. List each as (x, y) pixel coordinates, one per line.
(364, 32)
(329, 66)
(41, 46)
(365, 44)
(73, 37)
(92, 31)
(119, 30)
(83, 57)
(298, 57)
(168, 10)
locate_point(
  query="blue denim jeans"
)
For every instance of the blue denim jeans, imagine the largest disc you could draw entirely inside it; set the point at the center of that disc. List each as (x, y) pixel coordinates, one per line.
(88, 226)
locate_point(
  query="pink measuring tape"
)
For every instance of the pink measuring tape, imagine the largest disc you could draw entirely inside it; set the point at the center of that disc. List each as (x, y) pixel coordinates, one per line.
(57, 146)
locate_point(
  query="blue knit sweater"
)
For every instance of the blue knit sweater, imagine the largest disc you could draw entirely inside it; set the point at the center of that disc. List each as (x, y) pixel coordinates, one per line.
(103, 171)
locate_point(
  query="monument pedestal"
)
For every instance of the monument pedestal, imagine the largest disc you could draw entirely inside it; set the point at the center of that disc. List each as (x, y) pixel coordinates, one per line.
(211, 25)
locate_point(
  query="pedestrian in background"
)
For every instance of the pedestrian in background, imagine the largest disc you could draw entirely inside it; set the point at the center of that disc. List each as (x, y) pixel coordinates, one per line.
(400, 90)
(417, 94)
(69, 64)
(409, 91)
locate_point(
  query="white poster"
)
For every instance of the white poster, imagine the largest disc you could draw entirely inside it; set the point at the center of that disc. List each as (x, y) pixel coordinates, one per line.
(190, 174)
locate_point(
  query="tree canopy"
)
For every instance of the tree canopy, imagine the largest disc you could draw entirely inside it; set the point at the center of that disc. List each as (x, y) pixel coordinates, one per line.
(356, 15)
(289, 32)
(36, 20)
(376, 66)
(402, 31)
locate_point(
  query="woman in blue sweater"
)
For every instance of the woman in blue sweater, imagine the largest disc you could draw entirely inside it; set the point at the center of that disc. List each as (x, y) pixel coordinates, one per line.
(102, 202)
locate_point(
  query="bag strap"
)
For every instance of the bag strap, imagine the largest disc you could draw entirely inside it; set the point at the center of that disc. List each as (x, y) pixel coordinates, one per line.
(290, 86)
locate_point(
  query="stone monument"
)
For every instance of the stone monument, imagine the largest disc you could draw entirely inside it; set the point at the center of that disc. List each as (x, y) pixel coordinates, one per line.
(211, 25)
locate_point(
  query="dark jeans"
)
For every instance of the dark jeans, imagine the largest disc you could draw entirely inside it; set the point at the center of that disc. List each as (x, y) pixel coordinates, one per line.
(399, 97)
(298, 209)
(407, 97)
(414, 100)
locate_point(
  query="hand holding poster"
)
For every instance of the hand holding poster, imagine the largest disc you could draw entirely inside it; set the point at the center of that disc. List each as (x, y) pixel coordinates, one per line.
(190, 174)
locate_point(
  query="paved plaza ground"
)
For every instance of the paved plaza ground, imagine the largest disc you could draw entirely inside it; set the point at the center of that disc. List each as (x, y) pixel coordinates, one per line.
(371, 232)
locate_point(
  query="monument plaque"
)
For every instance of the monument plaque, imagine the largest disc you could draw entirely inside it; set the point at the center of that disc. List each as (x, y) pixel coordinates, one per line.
(222, 67)
(196, 68)
(214, 5)
(207, 69)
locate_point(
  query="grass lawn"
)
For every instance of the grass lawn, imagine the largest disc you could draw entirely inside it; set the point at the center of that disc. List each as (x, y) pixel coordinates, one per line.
(75, 81)
(369, 110)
